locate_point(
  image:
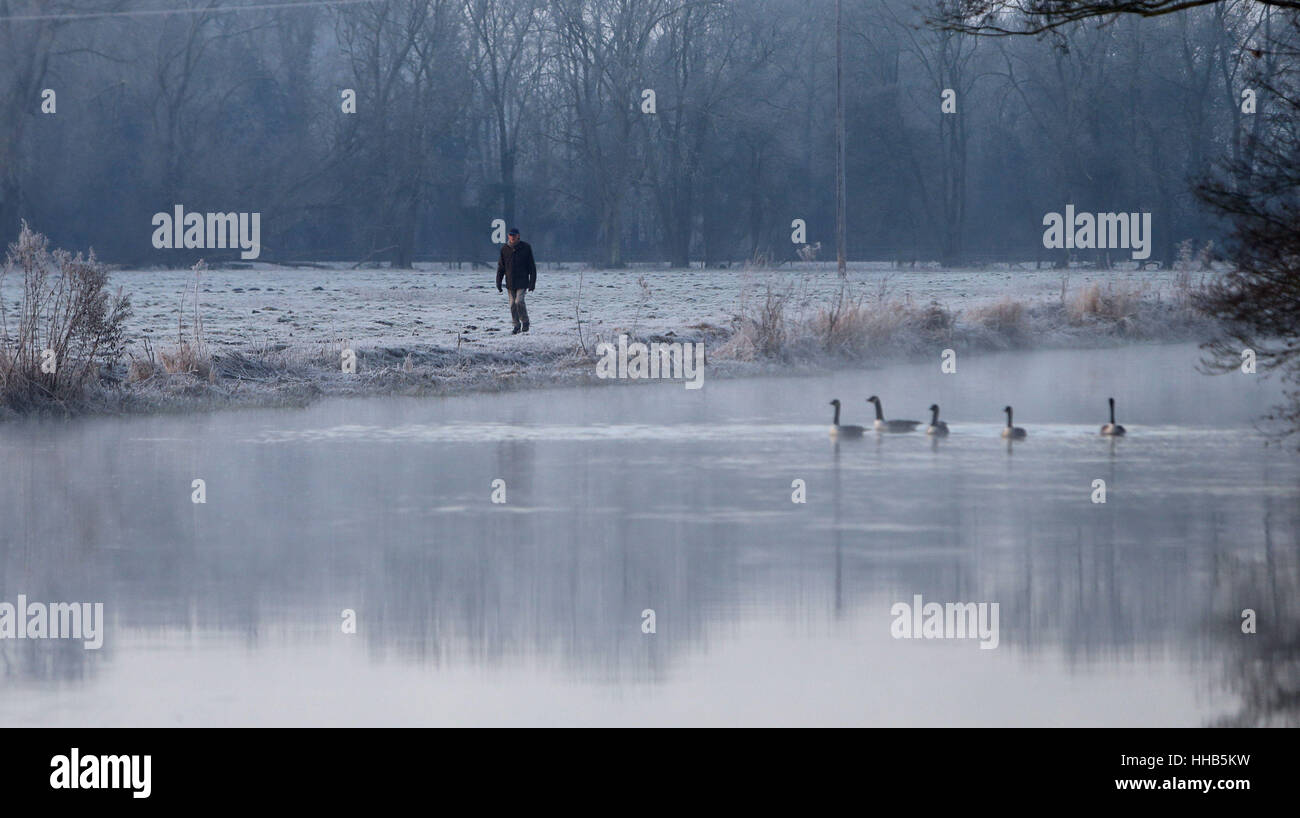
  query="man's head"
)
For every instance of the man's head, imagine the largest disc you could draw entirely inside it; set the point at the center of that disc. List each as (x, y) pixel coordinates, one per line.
(513, 235)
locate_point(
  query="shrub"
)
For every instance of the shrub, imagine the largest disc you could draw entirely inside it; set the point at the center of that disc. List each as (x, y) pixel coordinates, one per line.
(66, 328)
(764, 327)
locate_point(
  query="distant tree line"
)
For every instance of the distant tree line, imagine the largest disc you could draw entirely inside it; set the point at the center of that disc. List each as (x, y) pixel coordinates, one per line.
(534, 112)
(1253, 189)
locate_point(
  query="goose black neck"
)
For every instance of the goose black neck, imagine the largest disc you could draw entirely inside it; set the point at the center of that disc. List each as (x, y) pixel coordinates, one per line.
(837, 414)
(1112, 411)
(934, 416)
(880, 413)
(1008, 418)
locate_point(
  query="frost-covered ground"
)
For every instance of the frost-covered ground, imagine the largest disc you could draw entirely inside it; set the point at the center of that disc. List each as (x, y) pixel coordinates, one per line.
(432, 304)
(274, 335)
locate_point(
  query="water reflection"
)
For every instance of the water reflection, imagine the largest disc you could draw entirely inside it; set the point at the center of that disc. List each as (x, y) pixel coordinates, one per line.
(1262, 669)
(312, 512)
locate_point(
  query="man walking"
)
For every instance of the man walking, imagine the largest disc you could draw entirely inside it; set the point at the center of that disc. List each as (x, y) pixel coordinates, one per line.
(517, 267)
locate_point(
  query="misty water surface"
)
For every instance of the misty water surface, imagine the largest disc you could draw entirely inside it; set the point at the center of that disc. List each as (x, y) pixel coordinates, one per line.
(629, 497)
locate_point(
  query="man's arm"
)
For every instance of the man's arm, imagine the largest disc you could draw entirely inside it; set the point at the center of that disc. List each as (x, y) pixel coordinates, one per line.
(501, 267)
(532, 269)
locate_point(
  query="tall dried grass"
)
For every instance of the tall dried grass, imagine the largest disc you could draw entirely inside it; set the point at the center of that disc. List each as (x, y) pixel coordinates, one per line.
(190, 355)
(1114, 303)
(1005, 316)
(66, 328)
(762, 324)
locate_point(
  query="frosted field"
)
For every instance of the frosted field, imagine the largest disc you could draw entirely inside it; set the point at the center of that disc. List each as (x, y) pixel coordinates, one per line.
(274, 333)
(432, 304)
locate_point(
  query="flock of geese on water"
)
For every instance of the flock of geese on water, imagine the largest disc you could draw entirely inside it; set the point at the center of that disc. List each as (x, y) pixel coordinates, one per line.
(937, 427)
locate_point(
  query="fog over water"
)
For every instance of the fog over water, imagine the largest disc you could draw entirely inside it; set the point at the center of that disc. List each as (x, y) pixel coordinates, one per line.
(628, 497)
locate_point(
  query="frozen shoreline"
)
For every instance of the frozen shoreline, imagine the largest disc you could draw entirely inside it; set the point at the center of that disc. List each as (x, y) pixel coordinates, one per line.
(275, 335)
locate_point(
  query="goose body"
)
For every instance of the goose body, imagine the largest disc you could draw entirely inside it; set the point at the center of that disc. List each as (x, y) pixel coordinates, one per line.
(838, 431)
(882, 425)
(1012, 432)
(1112, 429)
(937, 427)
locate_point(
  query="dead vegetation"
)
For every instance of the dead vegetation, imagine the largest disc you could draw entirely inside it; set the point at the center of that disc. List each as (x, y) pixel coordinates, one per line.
(1005, 316)
(68, 330)
(761, 322)
(1118, 304)
(862, 325)
(782, 321)
(190, 355)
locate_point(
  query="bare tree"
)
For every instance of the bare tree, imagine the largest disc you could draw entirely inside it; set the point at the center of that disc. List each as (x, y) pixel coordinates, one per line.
(508, 66)
(27, 48)
(1011, 17)
(602, 49)
(396, 51)
(947, 58)
(1258, 299)
(1256, 189)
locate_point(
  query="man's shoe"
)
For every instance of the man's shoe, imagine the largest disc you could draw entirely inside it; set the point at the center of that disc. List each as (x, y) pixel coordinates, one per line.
(525, 328)
(515, 331)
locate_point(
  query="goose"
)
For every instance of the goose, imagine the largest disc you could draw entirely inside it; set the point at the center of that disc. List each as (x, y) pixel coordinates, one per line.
(1112, 429)
(843, 431)
(1012, 432)
(882, 425)
(937, 427)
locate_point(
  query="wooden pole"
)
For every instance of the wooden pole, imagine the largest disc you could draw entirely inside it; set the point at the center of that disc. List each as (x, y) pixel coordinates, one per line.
(839, 142)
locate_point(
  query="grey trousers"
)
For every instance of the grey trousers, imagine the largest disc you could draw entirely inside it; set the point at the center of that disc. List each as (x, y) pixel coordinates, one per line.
(518, 312)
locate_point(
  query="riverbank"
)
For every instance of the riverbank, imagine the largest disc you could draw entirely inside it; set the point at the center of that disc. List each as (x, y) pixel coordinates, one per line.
(263, 337)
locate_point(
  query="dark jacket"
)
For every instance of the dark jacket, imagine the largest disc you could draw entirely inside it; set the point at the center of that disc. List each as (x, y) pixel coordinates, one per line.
(517, 267)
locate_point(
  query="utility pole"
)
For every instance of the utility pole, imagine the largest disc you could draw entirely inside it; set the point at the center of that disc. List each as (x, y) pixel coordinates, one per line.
(839, 141)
